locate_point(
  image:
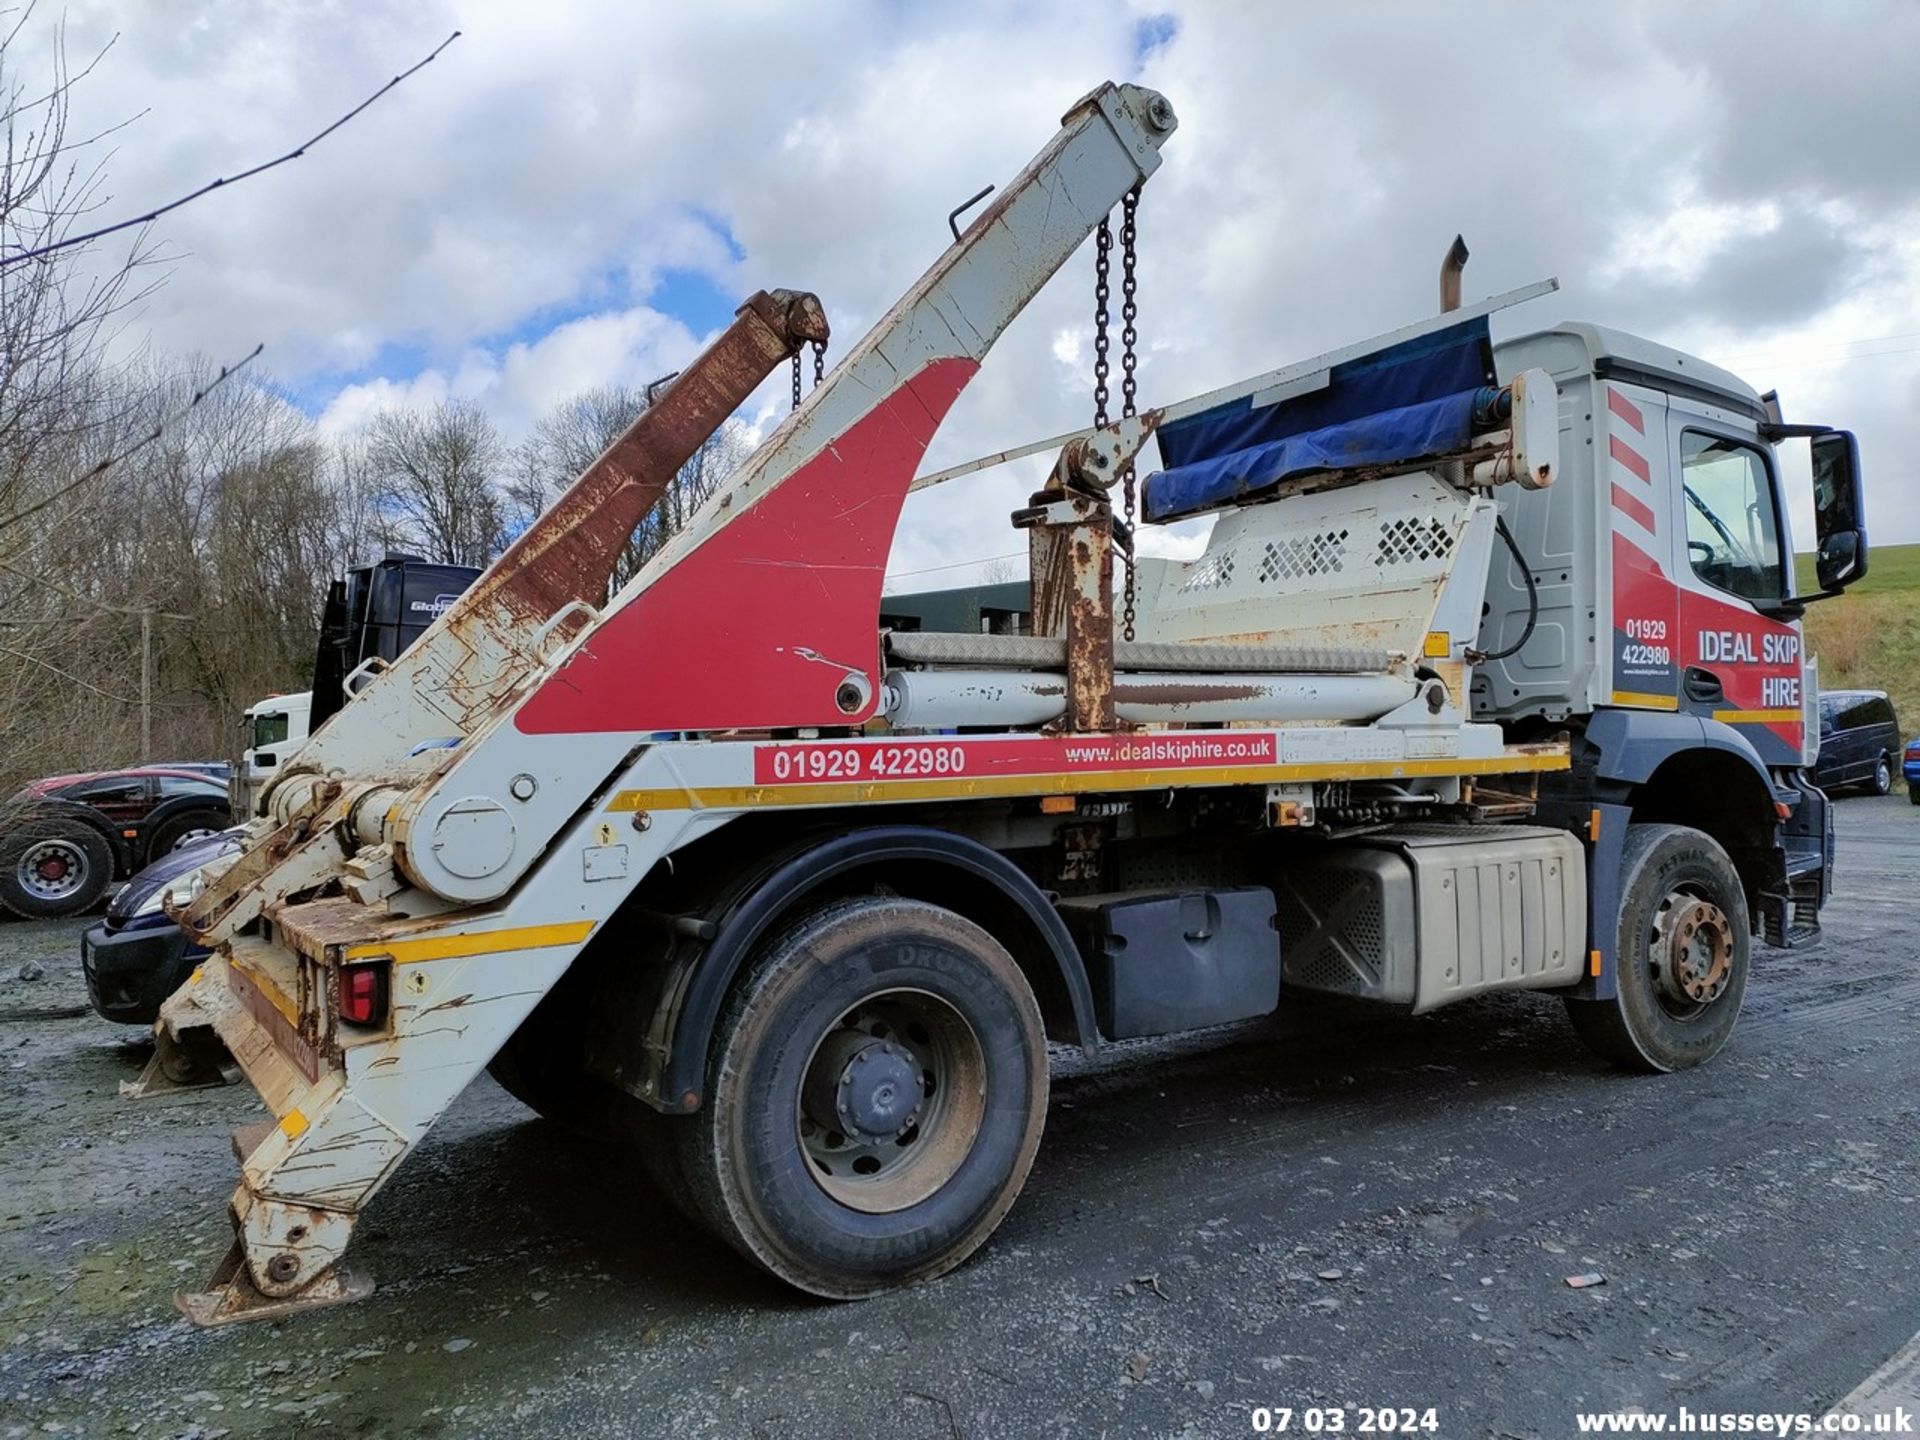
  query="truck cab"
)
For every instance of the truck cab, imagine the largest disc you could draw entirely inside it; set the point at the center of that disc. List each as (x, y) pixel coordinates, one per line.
(1665, 628)
(271, 730)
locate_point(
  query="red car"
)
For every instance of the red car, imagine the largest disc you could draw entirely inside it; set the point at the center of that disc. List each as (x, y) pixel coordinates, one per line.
(65, 839)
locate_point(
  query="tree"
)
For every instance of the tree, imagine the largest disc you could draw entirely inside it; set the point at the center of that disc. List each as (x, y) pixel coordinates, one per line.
(436, 474)
(153, 522)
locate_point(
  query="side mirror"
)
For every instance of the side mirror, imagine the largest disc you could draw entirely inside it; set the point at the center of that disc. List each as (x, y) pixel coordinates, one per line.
(1839, 512)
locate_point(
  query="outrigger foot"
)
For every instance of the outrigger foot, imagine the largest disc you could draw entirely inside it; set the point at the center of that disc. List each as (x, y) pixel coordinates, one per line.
(231, 1297)
(191, 1059)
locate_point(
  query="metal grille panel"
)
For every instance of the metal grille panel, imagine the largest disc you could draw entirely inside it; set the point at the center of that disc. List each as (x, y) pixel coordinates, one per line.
(1213, 573)
(1413, 541)
(1304, 556)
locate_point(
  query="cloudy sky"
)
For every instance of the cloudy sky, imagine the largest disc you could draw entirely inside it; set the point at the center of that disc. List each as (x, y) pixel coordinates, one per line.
(578, 193)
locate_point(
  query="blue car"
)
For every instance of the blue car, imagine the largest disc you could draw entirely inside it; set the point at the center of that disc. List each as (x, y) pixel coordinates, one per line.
(137, 955)
(1910, 767)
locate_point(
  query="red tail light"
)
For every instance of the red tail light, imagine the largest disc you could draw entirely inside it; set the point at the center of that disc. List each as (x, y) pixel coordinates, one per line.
(363, 994)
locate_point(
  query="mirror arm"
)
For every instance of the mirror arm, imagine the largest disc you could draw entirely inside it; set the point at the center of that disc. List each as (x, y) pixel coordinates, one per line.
(1802, 601)
(1773, 431)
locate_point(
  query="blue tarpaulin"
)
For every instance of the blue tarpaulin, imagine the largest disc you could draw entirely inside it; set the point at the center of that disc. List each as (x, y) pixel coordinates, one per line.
(1402, 403)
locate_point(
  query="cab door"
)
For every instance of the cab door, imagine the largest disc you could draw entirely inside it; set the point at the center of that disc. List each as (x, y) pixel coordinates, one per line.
(1738, 664)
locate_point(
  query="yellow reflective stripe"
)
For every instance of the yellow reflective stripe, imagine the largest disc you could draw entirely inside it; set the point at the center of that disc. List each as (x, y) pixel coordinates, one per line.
(1759, 717)
(472, 942)
(268, 990)
(742, 797)
(293, 1124)
(1645, 701)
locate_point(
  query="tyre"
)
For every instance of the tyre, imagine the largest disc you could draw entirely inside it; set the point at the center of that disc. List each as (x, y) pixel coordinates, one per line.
(50, 868)
(876, 1093)
(1913, 792)
(1683, 949)
(1881, 782)
(527, 1073)
(542, 1066)
(184, 829)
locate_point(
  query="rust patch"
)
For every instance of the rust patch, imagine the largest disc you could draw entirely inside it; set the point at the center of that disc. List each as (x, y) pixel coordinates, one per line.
(322, 929)
(287, 1038)
(1177, 693)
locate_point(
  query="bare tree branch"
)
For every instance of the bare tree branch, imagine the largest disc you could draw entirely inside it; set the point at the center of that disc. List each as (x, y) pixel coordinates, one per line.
(120, 456)
(70, 241)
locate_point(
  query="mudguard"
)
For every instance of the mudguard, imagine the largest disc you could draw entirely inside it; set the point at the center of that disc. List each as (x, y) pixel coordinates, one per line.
(711, 950)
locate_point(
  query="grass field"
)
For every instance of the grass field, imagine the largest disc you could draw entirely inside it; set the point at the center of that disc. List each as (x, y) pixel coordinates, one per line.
(1869, 639)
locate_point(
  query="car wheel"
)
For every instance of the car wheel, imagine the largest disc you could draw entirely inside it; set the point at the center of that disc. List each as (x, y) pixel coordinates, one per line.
(50, 868)
(187, 828)
(876, 1095)
(1882, 781)
(1683, 949)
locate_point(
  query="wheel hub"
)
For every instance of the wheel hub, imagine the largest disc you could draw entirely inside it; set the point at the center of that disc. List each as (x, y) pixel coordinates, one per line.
(1692, 950)
(891, 1101)
(52, 870)
(871, 1088)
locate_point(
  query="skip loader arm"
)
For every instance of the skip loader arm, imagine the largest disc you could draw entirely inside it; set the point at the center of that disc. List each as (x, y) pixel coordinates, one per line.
(464, 878)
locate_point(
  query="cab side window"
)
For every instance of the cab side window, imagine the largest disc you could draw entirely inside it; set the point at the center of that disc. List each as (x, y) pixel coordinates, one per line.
(1733, 534)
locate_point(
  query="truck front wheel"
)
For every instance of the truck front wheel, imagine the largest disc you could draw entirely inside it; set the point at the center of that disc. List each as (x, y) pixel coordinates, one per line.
(876, 1096)
(1682, 956)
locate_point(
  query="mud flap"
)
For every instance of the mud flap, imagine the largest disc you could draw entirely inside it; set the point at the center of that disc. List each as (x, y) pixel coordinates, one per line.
(231, 1296)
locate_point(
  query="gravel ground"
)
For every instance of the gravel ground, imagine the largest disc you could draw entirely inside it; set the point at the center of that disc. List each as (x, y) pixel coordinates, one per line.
(1350, 1211)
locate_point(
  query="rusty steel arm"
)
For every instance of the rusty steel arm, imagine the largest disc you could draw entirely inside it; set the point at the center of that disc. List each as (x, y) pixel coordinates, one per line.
(569, 553)
(476, 655)
(1070, 557)
(545, 585)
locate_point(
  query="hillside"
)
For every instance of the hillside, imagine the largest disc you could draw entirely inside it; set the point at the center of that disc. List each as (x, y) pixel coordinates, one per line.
(1870, 637)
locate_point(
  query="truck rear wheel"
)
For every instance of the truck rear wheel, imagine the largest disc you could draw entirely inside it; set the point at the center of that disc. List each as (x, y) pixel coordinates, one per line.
(1683, 950)
(51, 868)
(875, 1099)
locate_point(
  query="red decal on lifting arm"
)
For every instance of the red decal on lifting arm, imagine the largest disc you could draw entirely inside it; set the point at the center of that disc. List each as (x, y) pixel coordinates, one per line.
(1626, 410)
(759, 625)
(1634, 509)
(1629, 457)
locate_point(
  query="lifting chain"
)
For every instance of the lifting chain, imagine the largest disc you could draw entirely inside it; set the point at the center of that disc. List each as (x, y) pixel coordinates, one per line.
(1129, 356)
(1129, 386)
(819, 368)
(1102, 261)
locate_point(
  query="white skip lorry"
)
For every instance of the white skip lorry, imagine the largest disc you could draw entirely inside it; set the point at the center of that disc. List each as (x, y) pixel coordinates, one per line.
(1489, 678)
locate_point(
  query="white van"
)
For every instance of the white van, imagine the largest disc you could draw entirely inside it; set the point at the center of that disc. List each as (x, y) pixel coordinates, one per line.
(275, 727)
